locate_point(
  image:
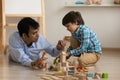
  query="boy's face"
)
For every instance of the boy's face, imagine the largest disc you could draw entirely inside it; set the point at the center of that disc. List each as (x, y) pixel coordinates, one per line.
(71, 27)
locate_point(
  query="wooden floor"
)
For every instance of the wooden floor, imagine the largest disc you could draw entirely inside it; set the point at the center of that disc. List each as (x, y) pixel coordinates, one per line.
(109, 62)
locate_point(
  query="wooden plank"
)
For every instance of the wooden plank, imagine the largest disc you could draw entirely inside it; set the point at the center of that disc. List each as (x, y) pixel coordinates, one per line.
(2, 23)
(23, 15)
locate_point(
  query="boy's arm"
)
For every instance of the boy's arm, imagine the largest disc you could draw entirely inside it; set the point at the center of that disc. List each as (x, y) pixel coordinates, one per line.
(69, 48)
(84, 42)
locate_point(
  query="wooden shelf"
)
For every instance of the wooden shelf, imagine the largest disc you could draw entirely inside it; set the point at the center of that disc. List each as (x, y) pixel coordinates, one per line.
(23, 15)
(72, 4)
(11, 25)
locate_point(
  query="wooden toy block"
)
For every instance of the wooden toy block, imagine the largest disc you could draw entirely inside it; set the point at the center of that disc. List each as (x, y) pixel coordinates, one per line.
(80, 75)
(63, 64)
(63, 57)
(98, 75)
(105, 75)
(54, 77)
(59, 73)
(67, 41)
(71, 71)
(91, 74)
(81, 69)
(69, 77)
(89, 78)
(59, 66)
(46, 78)
(64, 69)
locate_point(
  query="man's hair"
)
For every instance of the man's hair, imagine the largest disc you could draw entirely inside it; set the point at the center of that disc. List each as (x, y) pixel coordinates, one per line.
(73, 17)
(25, 24)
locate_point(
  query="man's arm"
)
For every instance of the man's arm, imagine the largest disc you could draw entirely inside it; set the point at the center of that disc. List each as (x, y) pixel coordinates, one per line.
(55, 50)
(17, 50)
(50, 48)
(18, 55)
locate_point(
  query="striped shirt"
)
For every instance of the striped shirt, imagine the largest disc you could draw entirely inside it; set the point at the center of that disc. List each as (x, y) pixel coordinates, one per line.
(88, 41)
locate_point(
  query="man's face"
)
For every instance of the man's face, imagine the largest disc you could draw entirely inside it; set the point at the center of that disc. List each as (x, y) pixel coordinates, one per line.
(33, 35)
(71, 27)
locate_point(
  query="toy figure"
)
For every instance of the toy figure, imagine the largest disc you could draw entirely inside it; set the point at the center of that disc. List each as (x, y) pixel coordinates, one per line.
(94, 2)
(40, 63)
(117, 1)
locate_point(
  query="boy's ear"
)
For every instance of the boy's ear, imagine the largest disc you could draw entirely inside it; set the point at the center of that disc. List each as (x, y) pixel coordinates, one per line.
(76, 23)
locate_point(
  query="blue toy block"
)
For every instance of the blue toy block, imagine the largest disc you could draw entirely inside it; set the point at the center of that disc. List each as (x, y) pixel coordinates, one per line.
(71, 71)
(91, 75)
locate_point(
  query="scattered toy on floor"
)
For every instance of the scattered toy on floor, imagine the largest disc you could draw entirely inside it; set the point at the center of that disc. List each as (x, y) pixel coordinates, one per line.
(105, 75)
(81, 69)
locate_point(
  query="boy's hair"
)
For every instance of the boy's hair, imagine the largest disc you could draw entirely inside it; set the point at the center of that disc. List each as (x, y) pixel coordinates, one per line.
(73, 17)
(25, 24)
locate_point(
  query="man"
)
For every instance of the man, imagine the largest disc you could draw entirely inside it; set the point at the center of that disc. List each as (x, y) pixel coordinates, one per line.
(26, 44)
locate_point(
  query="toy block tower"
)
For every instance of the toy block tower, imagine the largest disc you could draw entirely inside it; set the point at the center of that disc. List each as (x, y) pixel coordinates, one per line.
(63, 65)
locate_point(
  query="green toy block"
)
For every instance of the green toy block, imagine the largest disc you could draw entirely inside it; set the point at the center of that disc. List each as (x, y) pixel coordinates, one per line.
(105, 75)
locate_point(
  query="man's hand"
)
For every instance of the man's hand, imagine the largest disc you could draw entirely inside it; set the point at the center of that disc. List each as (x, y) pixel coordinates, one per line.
(61, 44)
(40, 63)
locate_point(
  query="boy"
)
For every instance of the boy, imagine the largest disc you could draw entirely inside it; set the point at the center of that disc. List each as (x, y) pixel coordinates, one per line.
(84, 42)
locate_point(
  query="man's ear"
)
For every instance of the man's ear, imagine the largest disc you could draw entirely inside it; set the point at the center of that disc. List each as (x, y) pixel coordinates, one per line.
(24, 35)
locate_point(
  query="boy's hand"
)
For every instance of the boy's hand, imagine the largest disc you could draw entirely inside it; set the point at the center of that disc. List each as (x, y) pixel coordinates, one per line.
(61, 44)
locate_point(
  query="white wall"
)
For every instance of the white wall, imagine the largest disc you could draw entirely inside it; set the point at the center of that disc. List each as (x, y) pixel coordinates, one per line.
(104, 21)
